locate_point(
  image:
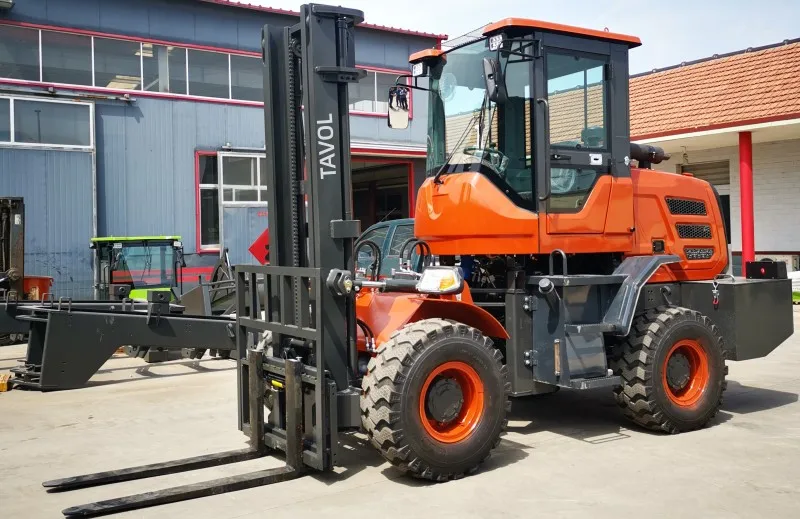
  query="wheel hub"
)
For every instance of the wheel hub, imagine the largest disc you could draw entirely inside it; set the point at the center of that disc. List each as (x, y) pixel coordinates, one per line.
(678, 371)
(444, 401)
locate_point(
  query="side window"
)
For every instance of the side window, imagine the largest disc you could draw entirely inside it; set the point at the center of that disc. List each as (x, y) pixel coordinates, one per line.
(402, 234)
(576, 92)
(578, 127)
(570, 187)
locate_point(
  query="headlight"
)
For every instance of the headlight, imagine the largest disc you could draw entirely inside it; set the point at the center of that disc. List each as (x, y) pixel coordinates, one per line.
(441, 280)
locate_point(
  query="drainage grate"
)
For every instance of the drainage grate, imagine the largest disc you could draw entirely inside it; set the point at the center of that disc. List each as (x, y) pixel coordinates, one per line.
(683, 206)
(694, 231)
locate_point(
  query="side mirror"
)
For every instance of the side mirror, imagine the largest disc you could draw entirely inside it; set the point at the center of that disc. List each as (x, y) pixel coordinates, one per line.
(495, 83)
(398, 107)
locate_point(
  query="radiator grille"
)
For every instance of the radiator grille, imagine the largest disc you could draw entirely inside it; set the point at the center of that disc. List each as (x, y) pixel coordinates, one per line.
(694, 231)
(698, 253)
(683, 206)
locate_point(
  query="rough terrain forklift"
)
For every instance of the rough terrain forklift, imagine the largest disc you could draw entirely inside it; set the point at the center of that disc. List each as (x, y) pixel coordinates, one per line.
(597, 273)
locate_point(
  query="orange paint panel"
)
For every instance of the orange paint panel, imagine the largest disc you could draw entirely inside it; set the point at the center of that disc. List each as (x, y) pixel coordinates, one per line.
(619, 219)
(510, 23)
(467, 214)
(655, 222)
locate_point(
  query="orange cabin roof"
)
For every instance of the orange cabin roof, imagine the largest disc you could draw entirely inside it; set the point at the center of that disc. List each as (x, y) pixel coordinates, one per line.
(527, 23)
(426, 53)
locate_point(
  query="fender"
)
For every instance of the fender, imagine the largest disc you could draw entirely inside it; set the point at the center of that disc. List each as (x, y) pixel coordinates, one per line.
(385, 313)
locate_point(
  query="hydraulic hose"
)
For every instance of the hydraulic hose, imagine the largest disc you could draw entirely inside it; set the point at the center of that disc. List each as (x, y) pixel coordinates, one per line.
(376, 265)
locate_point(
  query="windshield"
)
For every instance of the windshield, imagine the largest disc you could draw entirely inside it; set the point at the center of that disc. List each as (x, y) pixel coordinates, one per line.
(466, 132)
(143, 265)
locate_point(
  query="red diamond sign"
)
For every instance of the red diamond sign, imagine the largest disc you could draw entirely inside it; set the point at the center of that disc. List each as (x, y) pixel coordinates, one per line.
(260, 248)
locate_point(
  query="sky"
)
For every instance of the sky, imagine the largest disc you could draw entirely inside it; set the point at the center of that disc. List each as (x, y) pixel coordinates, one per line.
(671, 31)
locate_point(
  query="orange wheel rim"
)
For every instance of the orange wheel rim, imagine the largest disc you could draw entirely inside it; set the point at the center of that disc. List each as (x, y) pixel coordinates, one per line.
(685, 373)
(456, 376)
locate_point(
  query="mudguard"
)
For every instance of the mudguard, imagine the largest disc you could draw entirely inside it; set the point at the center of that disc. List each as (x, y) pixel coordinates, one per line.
(384, 313)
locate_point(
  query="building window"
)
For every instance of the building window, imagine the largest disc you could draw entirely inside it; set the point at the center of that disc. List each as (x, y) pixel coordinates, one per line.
(209, 201)
(370, 94)
(208, 74)
(5, 120)
(243, 179)
(246, 78)
(66, 58)
(32, 122)
(19, 53)
(117, 64)
(123, 64)
(164, 69)
(52, 123)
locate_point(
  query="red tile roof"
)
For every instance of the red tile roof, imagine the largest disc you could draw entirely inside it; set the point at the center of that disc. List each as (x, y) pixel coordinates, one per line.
(273, 10)
(756, 85)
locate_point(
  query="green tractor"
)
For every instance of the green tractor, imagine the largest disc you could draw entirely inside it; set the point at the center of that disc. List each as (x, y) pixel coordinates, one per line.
(131, 267)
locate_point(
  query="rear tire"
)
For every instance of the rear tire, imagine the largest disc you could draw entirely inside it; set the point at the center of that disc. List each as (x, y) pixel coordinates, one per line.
(430, 370)
(673, 370)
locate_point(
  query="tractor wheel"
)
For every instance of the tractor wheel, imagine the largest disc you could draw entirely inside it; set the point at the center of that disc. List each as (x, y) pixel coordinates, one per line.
(435, 399)
(673, 370)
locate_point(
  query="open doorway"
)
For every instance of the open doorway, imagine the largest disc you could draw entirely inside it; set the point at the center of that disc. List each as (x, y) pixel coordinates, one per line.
(382, 189)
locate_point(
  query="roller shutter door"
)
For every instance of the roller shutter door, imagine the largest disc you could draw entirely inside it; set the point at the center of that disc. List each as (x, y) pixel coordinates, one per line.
(715, 173)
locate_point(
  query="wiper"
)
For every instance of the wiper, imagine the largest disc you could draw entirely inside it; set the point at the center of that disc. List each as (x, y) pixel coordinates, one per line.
(467, 129)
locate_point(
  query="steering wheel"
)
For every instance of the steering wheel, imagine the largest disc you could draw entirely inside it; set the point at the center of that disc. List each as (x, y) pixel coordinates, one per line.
(497, 159)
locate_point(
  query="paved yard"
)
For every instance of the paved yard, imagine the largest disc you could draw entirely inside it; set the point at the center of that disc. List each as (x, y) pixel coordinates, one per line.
(567, 455)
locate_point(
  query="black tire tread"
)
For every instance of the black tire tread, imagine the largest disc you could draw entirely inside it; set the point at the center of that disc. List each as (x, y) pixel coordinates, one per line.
(633, 361)
(382, 386)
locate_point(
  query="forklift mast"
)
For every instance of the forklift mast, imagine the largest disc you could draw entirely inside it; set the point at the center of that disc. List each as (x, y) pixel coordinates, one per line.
(308, 168)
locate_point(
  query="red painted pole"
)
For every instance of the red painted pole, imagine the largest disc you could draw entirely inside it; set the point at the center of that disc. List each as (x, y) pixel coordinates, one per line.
(746, 196)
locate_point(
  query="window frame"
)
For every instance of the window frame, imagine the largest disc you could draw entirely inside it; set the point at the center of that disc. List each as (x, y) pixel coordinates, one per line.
(11, 143)
(257, 185)
(219, 155)
(186, 47)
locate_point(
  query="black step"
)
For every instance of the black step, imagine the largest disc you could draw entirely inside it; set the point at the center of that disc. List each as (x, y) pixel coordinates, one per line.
(579, 329)
(593, 383)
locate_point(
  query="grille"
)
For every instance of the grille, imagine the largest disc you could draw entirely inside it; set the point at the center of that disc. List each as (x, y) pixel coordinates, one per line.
(694, 231)
(698, 253)
(683, 206)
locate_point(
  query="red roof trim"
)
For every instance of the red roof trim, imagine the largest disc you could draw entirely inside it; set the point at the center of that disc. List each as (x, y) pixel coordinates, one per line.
(287, 12)
(720, 126)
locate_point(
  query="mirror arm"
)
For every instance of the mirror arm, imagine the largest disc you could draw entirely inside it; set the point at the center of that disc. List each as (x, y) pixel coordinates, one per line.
(408, 85)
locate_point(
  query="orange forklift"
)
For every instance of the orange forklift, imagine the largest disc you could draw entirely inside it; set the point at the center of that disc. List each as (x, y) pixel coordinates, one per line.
(552, 256)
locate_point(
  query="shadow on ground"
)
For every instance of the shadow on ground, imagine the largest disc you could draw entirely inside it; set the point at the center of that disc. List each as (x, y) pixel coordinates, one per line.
(146, 372)
(741, 399)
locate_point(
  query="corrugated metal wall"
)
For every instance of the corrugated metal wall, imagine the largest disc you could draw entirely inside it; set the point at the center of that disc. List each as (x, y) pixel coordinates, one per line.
(145, 162)
(57, 188)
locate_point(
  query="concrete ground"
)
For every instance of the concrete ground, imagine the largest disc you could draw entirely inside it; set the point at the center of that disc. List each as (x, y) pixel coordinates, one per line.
(567, 455)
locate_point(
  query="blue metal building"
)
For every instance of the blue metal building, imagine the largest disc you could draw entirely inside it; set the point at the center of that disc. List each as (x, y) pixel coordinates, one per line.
(142, 118)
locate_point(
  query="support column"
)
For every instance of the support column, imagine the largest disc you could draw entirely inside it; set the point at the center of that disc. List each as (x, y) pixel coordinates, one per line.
(746, 196)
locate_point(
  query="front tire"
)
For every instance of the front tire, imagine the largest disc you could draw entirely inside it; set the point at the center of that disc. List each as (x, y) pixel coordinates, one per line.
(435, 398)
(673, 370)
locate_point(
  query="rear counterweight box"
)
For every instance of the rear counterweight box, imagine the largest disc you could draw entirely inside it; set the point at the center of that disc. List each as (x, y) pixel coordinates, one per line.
(755, 316)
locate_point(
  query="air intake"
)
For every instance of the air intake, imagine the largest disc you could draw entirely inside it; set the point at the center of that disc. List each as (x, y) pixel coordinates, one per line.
(686, 207)
(694, 231)
(698, 253)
